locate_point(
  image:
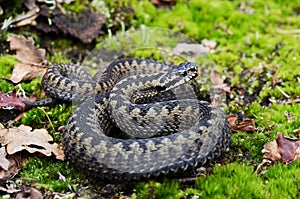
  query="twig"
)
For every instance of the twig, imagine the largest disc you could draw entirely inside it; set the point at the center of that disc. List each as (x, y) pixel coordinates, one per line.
(51, 124)
(294, 31)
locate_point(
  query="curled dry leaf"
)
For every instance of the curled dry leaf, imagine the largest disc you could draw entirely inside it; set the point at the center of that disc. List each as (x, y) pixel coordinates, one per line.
(12, 106)
(85, 26)
(12, 101)
(30, 58)
(192, 50)
(163, 3)
(32, 193)
(209, 44)
(246, 125)
(282, 149)
(219, 88)
(4, 163)
(23, 138)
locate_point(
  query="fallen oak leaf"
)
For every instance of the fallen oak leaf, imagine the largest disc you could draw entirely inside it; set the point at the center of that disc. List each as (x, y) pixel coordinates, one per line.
(163, 3)
(30, 58)
(26, 72)
(287, 148)
(15, 164)
(219, 88)
(246, 125)
(218, 82)
(192, 50)
(209, 44)
(12, 106)
(4, 163)
(270, 151)
(24, 138)
(12, 101)
(282, 149)
(85, 26)
(25, 50)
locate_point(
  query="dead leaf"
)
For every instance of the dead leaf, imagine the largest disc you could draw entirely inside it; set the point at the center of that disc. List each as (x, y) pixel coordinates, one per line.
(15, 164)
(209, 44)
(4, 163)
(25, 50)
(270, 151)
(282, 149)
(12, 106)
(86, 26)
(12, 101)
(30, 58)
(218, 82)
(246, 125)
(26, 72)
(219, 87)
(23, 138)
(192, 50)
(32, 193)
(163, 3)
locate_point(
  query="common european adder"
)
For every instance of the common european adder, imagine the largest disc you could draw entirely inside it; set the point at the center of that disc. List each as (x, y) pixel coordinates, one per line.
(170, 131)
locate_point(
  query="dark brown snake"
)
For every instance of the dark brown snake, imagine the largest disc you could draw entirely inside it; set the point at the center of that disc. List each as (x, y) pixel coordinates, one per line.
(170, 134)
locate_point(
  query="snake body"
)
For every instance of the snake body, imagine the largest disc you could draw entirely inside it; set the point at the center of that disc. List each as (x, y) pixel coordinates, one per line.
(138, 96)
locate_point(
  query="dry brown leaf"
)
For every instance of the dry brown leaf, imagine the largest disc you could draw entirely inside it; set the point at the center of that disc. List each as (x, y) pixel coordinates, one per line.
(32, 193)
(219, 87)
(247, 125)
(209, 44)
(26, 72)
(85, 26)
(4, 163)
(163, 3)
(12, 101)
(218, 82)
(270, 151)
(282, 149)
(30, 58)
(193, 50)
(23, 138)
(25, 49)
(15, 163)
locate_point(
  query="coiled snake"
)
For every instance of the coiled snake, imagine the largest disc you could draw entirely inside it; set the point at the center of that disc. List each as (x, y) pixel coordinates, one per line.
(171, 134)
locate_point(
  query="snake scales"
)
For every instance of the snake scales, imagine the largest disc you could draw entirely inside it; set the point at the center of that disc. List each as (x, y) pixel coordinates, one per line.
(178, 134)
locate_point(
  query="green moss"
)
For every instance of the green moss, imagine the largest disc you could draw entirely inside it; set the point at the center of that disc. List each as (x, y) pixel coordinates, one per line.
(251, 53)
(230, 181)
(157, 190)
(45, 174)
(7, 63)
(48, 118)
(77, 6)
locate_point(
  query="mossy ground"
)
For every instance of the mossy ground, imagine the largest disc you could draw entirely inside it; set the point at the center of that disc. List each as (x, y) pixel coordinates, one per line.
(255, 48)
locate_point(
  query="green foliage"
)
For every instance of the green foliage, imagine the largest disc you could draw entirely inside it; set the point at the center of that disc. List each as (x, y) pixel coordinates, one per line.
(45, 174)
(252, 52)
(7, 63)
(77, 6)
(230, 181)
(48, 118)
(157, 190)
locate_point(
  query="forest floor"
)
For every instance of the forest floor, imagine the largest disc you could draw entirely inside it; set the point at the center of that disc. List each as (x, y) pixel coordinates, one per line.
(253, 45)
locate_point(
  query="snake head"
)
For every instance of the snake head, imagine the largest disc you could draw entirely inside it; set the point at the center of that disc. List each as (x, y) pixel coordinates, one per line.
(187, 69)
(178, 75)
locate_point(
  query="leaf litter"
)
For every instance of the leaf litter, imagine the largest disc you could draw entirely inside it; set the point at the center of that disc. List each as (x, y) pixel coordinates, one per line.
(30, 59)
(283, 149)
(15, 140)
